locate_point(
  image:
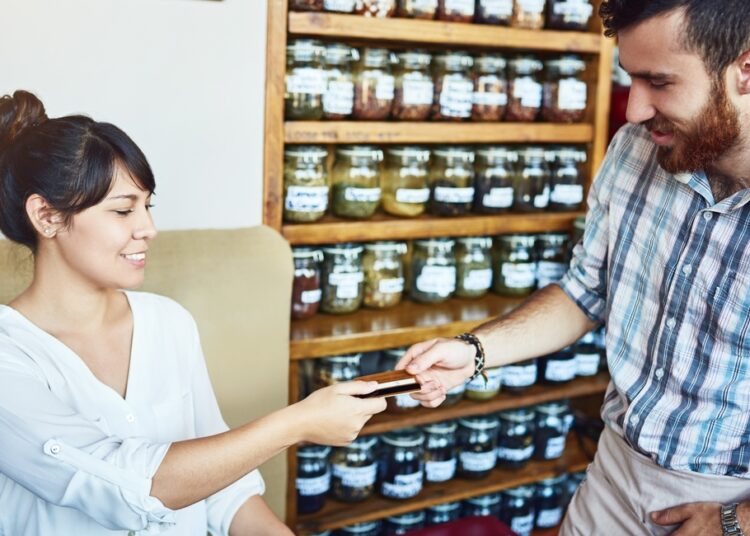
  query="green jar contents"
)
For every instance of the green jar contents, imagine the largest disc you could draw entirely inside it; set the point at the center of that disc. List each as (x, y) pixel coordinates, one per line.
(384, 274)
(338, 99)
(343, 278)
(473, 266)
(532, 184)
(515, 265)
(567, 179)
(355, 179)
(305, 183)
(404, 181)
(477, 441)
(480, 390)
(305, 80)
(403, 402)
(412, 99)
(565, 92)
(451, 181)
(494, 179)
(354, 470)
(454, 87)
(490, 88)
(328, 371)
(374, 85)
(433, 270)
(552, 259)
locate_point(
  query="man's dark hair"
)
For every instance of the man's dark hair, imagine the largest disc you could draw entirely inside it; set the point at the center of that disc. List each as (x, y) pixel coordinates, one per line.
(719, 30)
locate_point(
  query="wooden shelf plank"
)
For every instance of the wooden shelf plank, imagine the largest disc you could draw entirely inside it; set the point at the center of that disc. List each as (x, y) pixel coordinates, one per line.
(336, 514)
(439, 33)
(384, 227)
(434, 132)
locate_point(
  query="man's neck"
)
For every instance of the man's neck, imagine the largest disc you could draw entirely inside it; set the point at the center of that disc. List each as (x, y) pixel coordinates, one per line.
(731, 173)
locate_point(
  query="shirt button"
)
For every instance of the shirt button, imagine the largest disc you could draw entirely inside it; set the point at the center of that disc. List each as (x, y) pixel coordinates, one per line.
(687, 269)
(634, 420)
(659, 373)
(130, 417)
(55, 449)
(671, 323)
(708, 215)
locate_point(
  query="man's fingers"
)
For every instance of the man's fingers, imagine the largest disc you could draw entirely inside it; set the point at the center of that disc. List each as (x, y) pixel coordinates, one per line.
(414, 351)
(672, 516)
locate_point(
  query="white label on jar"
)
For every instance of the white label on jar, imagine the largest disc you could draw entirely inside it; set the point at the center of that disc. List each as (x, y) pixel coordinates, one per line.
(555, 447)
(314, 486)
(497, 8)
(457, 390)
(549, 272)
(560, 371)
(405, 486)
(519, 375)
(522, 525)
(457, 96)
(417, 92)
(465, 7)
(406, 401)
(478, 461)
(385, 87)
(440, 280)
(567, 194)
(347, 285)
(529, 91)
(572, 94)
(362, 195)
(549, 518)
(445, 194)
(306, 198)
(345, 6)
(532, 6)
(307, 80)
(577, 11)
(310, 296)
(587, 364)
(424, 4)
(339, 97)
(412, 195)
(356, 477)
(391, 286)
(498, 197)
(515, 455)
(440, 471)
(478, 279)
(519, 275)
(542, 200)
(494, 378)
(486, 98)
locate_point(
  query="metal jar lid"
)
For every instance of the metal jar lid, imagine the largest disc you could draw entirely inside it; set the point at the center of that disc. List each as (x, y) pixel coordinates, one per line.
(526, 65)
(307, 253)
(534, 153)
(361, 151)
(554, 240)
(351, 359)
(306, 152)
(455, 152)
(490, 63)
(524, 492)
(340, 54)
(414, 59)
(517, 415)
(567, 65)
(306, 50)
(313, 451)
(376, 58)
(445, 507)
(455, 61)
(421, 154)
(362, 443)
(484, 242)
(387, 246)
(445, 427)
(410, 518)
(405, 438)
(358, 528)
(553, 408)
(442, 244)
(485, 500)
(484, 422)
(493, 153)
(517, 240)
(347, 249)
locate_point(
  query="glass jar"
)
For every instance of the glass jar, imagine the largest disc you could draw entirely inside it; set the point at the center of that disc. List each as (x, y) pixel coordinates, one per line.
(549, 500)
(558, 367)
(490, 88)
(588, 355)
(402, 464)
(493, 179)
(454, 87)
(552, 261)
(368, 528)
(480, 390)
(335, 369)
(404, 181)
(524, 89)
(566, 186)
(343, 278)
(440, 454)
(373, 85)
(338, 99)
(553, 421)
(451, 180)
(403, 402)
(417, 9)
(455, 395)
(433, 270)
(528, 14)
(375, 8)
(305, 79)
(456, 10)
(518, 377)
(306, 288)
(339, 6)
(306, 5)
(477, 441)
(384, 274)
(517, 510)
(565, 92)
(484, 505)
(532, 182)
(473, 266)
(515, 265)
(305, 183)
(313, 478)
(355, 180)
(515, 438)
(412, 100)
(569, 14)
(354, 470)
(443, 513)
(404, 523)
(494, 12)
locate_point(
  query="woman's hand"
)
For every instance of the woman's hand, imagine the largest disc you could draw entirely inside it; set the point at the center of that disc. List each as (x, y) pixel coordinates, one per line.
(335, 416)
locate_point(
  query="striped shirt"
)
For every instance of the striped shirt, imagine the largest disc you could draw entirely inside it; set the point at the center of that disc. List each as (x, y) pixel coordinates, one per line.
(668, 270)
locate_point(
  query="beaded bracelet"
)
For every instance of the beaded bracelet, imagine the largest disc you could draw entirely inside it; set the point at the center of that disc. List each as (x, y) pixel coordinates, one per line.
(479, 357)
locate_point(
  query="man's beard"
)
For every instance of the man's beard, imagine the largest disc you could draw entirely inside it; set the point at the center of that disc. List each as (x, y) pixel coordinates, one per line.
(705, 140)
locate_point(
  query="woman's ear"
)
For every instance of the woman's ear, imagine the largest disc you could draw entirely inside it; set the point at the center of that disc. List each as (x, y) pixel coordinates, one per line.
(46, 220)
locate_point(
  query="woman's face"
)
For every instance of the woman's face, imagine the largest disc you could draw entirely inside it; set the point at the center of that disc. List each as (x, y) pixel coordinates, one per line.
(106, 244)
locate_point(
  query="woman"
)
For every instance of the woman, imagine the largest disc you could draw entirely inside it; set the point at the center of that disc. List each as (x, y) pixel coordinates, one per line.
(108, 421)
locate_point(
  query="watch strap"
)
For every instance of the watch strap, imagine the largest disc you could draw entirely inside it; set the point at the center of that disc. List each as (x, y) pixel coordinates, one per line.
(730, 525)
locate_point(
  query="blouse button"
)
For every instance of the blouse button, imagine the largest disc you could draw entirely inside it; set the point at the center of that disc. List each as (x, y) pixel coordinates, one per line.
(55, 449)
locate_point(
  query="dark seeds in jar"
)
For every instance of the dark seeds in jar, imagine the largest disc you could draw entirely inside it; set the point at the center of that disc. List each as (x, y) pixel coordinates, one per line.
(456, 10)
(569, 14)
(417, 9)
(306, 288)
(306, 5)
(494, 12)
(524, 89)
(490, 88)
(373, 85)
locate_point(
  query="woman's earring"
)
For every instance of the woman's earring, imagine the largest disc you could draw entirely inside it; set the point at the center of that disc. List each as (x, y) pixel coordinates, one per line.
(47, 230)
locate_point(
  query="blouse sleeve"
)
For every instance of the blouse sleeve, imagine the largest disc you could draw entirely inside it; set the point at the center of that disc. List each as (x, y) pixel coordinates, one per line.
(64, 458)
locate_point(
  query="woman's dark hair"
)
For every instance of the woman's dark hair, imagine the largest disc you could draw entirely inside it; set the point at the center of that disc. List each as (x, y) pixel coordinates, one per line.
(69, 161)
(718, 30)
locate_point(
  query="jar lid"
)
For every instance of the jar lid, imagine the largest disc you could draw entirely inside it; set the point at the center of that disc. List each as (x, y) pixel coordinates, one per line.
(305, 49)
(534, 153)
(422, 154)
(525, 492)
(455, 61)
(518, 240)
(553, 408)
(313, 451)
(362, 151)
(409, 518)
(375, 57)
(307, 253)
(415, 59)
(444, 427)
(475, 241)
(575, 154)
(347, 248)
(498, 152)
(579, 223)
(351, 359)
(362, 443)
(445, 507)
(407, 437)
(457, 152)
(485, 422)
(517, 415)
(446, 243)
(567, 65)
(553, 239)
(387, 246)
(316, 152)
(526, 64)
(485, 500)
(358, 528)
(559, 479)
(490, 63)
(340, 54)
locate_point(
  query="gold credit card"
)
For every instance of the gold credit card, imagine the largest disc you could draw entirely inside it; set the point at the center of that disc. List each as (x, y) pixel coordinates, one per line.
(391, 383)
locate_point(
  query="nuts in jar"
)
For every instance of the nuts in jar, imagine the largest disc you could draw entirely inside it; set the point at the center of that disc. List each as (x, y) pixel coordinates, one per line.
(373, 84)
(451, 181)
(569, 14)
(494, 12)
(354, 470)
(524, 89)
(306, 288)
(404, 181)
(565, 92)
(375, 8)
(305, 183)
(474, 266)
(338, 99)
(490, 88)
(477, 440)
(433, 270)
(335, 369)
(454, 88)
(402, 465)
(528, 14)
(440, 453)
(343, 278)
(515, 265)
(456, 10)
(413, 94)
(355, 179)
(417, 9)
(494, 179)
(384, 273)
(305, 80)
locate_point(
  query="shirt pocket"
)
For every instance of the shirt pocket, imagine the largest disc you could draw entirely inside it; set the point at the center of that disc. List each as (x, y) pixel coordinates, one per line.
(174, 419)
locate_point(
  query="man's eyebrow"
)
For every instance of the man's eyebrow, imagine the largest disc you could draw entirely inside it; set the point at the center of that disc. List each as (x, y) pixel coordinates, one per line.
(648, 75)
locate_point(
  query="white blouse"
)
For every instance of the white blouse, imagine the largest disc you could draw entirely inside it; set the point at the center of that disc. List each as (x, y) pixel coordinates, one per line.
(77, 458)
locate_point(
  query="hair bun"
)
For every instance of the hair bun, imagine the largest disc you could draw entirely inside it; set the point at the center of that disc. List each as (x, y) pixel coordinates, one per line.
(17, 113)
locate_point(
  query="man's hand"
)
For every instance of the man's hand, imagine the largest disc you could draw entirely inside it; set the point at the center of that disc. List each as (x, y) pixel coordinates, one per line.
(699, 519)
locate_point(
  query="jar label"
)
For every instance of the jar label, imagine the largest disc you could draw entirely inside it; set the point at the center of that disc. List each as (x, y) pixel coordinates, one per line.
(560, 371)
(385, 87)
(466, 7)
(356, 477)
(440, 471)
(498, 198)
(522, 525)
(519, 375)
(307, 80)
(494, 378)
(572, 94)
(347, 284)
(477, 461)
(488, 98)
(406, 401)
(345, 6)
(528, 91)
(306, 198)
(314, 486)
(412, 195)
(391, 286)
(339, 97)
(549, 518)
(555, 447)
(497, 8)
(362, 195)
(440, 280)
(542, 200)
(310, 296)
(445, 194)
(575, 11)
(587, 364)
(515, 455)
(405, 486)
(478, 279)
(550, 272)
(417, 92)
(424, 4)
(567, 194)
(457, 95)
(519, 275)
(532, 6)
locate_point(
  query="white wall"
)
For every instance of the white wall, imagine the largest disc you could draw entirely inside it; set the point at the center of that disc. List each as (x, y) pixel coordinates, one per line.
(184, 78)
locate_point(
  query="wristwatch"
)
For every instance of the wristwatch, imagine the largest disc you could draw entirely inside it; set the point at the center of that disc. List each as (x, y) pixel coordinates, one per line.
(729, 524)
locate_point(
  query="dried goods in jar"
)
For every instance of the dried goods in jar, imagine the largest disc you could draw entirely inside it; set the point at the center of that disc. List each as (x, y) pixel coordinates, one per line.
(456, 10)
(404, 180)
(569, 14)
(413, 93)
(354, 470)
(433, 270)
(375, 8)
(401, 469)
(524, 89)
(473, 266)
(306, 5)
(528, 14)
(305, 79)
(494, 179)
(384, 274)
(454, 87)
(565, 92)
(338, 99)
(451, 180)
(355, 181)
(494, 12)
(305, 183)
(374, 85)
(343, 279)
(417, 9)
(306, 288)
(490, 88)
